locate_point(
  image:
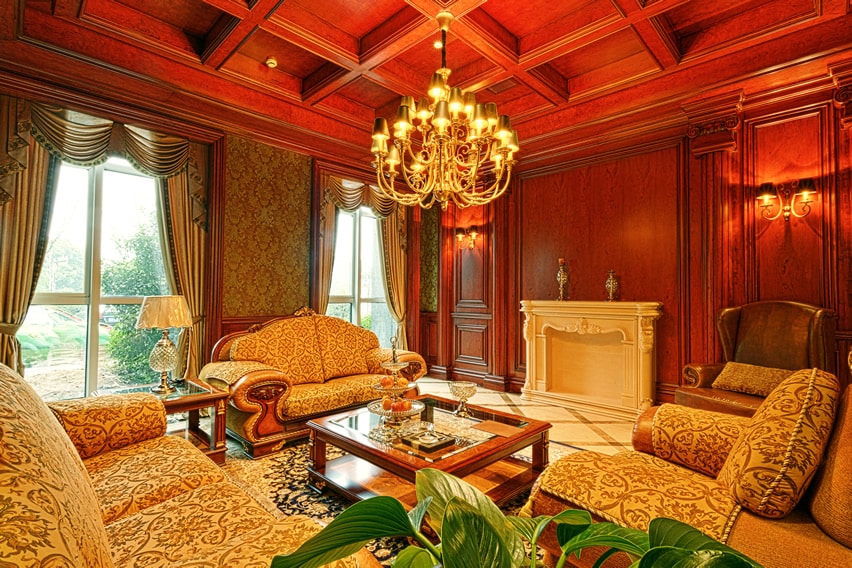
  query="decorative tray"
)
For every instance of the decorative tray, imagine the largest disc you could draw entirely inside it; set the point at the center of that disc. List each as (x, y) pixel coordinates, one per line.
(376, 408)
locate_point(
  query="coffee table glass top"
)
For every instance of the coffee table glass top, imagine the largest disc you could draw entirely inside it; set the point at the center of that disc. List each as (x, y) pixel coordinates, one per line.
(438, 433)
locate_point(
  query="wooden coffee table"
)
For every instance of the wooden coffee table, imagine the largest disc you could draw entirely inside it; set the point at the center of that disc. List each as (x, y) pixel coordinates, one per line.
(481, 452)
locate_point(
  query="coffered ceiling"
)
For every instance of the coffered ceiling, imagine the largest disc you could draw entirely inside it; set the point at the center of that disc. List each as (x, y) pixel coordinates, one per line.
(565, 71)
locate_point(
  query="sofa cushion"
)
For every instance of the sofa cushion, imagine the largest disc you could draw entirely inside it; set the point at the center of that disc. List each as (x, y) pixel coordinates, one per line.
(48, 509)
(344, 346)
(305, 400)
(103, 423)
(750, 379)
(124, 479)
(615, 488)
(772, 462)
(831, 498)
(290, 345)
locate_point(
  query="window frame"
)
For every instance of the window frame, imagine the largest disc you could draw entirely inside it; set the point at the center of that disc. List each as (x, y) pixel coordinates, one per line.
(355, 300)
(91, 295)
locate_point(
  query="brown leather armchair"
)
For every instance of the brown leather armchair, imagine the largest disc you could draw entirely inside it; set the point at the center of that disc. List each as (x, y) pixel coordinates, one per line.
(776, 334)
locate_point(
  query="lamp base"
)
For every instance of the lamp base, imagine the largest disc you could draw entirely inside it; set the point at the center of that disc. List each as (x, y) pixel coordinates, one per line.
(164, 387)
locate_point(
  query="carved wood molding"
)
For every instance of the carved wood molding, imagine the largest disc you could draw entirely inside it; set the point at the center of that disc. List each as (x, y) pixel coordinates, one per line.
(714, 123)
(841, 74)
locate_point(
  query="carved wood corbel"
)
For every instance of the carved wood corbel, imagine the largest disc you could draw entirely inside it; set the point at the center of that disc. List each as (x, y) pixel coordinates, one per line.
(714, 123)
(841, 74)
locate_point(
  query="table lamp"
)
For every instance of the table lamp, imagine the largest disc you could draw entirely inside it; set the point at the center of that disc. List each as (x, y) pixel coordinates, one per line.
(163, 312)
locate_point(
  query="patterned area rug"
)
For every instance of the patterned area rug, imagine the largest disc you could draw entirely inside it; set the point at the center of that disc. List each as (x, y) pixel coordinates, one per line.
(280, 481)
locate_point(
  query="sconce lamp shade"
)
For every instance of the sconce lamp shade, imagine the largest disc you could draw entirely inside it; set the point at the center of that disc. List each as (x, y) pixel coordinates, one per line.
(766, 191)
(806, 186)
(163, 312)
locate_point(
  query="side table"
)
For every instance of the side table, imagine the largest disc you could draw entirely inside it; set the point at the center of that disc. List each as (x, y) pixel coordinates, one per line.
(191, 398)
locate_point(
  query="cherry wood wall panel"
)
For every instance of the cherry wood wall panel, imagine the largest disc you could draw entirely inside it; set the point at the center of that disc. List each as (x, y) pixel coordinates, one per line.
(620, 214)
(789, 259)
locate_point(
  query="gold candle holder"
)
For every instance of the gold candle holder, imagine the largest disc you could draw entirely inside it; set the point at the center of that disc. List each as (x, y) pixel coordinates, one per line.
(562, 279)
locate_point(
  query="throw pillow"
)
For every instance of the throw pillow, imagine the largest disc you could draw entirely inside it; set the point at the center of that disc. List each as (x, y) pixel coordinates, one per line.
(750, 379)
(777, 454)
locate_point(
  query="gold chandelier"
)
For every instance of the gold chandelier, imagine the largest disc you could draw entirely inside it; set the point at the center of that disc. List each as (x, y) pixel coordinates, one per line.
(447, 147)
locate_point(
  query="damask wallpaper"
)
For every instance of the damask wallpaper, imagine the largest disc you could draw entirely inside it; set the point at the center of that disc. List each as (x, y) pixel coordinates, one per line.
(267, 233)
(430, 248)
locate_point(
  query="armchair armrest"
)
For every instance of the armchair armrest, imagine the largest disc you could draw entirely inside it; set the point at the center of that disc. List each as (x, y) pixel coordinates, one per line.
(693, 438)
(102, 423)
(701, 376)
(416, 364)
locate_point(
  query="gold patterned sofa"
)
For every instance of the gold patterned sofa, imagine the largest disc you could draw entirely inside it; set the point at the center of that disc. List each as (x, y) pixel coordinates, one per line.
(95, 483)
(284, 372)
(776, 486)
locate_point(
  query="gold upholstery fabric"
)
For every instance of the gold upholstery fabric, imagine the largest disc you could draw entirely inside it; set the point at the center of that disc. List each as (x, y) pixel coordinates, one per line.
(334, 393)
(750, 379)
(772, 463)
(150, 472)
(289, 345)
(102, 423)
(214, 525)
(343, 346)
(48, 510)
(697, 439)
(230, 372)
(616, 488)
(831, 500)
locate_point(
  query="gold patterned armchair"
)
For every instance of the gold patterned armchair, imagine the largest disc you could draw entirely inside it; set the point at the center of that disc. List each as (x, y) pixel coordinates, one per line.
(284, 372)
(763, 343)
(776, 486)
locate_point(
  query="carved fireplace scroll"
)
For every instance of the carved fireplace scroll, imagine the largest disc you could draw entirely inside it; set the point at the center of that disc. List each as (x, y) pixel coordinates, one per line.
(596, 356)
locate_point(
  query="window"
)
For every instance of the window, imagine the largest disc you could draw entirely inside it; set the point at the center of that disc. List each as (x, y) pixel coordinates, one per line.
(357, 283)
(103, 255)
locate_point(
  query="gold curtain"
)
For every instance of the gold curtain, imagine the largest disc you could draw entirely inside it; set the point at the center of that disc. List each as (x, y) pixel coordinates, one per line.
(325, 254)
(185, 253)
(394, 242)
(14, 143)
(23, 237)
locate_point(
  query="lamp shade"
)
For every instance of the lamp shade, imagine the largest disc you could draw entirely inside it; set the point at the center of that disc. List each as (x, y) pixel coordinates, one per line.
(163, 312)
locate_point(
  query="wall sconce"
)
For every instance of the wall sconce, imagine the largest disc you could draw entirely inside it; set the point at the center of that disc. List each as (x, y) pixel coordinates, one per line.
(467, 237)
(795, 199)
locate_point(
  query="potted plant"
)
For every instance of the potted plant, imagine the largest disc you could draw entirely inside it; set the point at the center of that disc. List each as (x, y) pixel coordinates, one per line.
(472, 531)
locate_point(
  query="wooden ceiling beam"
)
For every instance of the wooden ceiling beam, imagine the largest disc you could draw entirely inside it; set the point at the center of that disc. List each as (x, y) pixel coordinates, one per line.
(229, 38)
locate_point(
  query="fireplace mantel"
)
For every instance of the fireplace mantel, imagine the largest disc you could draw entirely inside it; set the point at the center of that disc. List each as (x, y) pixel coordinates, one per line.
(597, 356)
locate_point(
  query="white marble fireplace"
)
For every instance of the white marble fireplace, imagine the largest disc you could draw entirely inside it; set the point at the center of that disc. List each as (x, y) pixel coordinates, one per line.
(596, 356)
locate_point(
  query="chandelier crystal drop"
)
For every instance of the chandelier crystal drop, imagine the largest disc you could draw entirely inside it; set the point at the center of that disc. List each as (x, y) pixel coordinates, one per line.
(446, 147)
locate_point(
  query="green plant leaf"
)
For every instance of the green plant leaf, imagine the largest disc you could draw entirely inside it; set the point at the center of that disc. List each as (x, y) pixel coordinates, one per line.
(664, 531)
(469, 539)
(414, 557)
(443, 486)
(415, 515)
(631, 541)
(349, 531)
(531, 529)
(672, 557)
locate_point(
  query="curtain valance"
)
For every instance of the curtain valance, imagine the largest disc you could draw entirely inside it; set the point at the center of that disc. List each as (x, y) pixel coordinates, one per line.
(14, 141)
(349, 196)
(86, 140)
